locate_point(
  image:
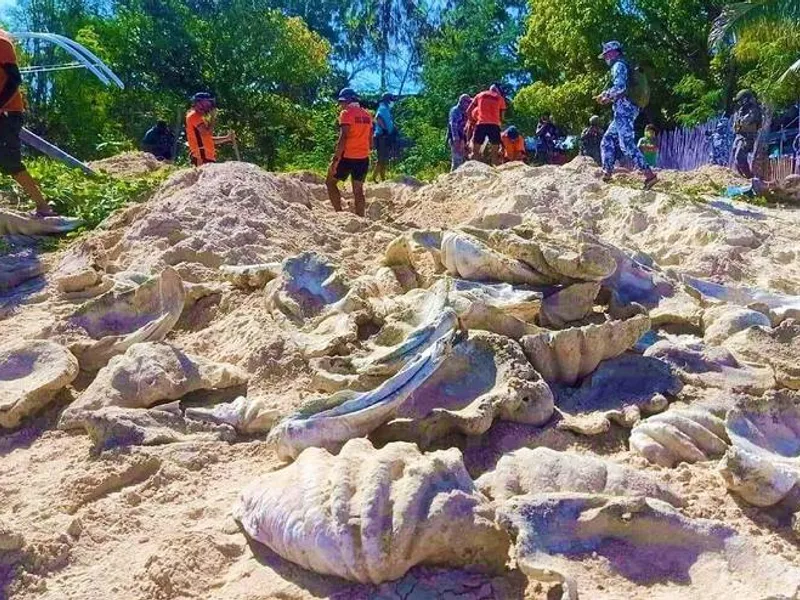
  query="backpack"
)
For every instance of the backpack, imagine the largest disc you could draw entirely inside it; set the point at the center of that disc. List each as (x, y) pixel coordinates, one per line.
(638, 86)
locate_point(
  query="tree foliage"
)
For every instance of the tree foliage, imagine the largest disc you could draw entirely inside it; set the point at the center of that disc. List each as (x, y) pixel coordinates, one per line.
(667, 39)
(275, 65)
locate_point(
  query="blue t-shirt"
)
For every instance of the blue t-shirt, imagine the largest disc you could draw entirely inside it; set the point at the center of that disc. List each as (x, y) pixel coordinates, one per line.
(386, 114)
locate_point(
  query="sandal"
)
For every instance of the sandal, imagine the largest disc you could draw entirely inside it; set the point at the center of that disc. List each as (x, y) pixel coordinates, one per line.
(607, 177)
(43, 214)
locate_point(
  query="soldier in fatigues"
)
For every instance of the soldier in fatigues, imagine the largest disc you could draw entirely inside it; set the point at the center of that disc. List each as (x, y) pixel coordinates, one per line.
(721, 142)
(591, 138)
(621, 130)
(746, 123)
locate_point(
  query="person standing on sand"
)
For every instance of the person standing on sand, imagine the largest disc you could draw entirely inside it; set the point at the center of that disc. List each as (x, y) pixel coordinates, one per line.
(648, 144)
(12, 117)
(746, 123)
(591, 138)
(457, 135)
(351, 156)
(200, 130)
(621, 129)
(487, 109)
(547, 134)
(385, 134)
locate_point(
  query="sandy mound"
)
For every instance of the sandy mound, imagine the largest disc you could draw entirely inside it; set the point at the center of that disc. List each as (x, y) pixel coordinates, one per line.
(722, 241)
(128, 164)
(709, 179)
(154, 522)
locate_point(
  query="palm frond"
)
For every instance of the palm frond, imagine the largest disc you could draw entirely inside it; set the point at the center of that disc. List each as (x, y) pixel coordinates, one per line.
(795, 68)
(737, 16)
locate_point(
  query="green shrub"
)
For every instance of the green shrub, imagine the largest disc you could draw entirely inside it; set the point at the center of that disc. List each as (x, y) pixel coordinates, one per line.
(75, 194)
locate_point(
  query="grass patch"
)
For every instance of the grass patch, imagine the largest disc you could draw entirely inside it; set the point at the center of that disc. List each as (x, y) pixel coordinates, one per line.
(76, 194)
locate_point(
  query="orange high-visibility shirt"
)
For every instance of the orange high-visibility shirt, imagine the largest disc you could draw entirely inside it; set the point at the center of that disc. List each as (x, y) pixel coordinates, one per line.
(488, 106)
(513, 149)
(359, 134)
(8, 56)
(200, 137)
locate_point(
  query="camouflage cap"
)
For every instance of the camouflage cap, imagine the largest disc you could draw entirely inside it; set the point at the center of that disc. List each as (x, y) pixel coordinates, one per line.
(611, 46)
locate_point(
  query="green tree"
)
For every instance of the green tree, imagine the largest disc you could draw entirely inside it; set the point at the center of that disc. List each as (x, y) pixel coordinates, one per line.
(738, 17)
(666, 38)
(265, 68)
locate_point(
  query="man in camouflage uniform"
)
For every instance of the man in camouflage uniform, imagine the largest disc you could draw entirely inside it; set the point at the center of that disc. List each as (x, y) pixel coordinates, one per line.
(591, 138)
(746, 123)
(721, 142)
(621, 129)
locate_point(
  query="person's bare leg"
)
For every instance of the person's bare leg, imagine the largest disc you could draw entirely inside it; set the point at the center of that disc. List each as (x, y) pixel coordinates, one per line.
(333, 193)
(360, 200)
(31, 188)
(379, 172)
(494, 154)
(476, 151)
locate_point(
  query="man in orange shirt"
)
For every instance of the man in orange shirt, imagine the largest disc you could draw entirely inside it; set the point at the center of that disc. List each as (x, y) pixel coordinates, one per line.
(351, 157)
(12, 113)
(487, 109)
(200, 130)
(513, 145)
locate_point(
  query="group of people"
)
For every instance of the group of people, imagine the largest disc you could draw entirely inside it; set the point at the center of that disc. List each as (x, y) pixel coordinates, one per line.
(475, 125)
(359, 134)
(474, 130)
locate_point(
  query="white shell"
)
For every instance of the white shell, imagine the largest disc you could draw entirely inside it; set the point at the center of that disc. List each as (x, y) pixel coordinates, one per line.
(370, 515)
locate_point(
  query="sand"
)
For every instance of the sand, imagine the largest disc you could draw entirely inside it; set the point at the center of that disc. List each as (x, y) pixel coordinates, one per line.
(154, 523)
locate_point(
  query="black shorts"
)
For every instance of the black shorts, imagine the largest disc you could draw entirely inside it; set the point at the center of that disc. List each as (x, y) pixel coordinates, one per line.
(10, 144)
(383, 144)
(484, 131)
(358, 168)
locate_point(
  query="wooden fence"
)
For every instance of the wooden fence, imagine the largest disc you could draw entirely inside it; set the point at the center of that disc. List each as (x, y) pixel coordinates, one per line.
(685, 149)
(780, 168)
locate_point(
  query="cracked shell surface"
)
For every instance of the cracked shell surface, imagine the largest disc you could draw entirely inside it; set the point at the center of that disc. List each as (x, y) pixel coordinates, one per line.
(110, 324)
(31, 374)
(411, 509)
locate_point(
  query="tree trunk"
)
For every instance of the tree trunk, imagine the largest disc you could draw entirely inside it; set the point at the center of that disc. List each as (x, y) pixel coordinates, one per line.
(761, 152)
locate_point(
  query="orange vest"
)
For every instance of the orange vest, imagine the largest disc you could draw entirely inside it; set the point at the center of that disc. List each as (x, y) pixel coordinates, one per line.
(200, 137)
(9, 56)
(359, 131)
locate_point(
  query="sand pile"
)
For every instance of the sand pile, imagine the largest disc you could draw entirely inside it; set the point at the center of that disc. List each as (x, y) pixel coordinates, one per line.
(324, 332)
(128, 164)
(232, 214)
(718, 240)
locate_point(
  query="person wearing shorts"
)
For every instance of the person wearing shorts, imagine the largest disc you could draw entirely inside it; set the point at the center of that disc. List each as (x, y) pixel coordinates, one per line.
(384, 137)
(487, 110)
(12, 117)
(351, 157)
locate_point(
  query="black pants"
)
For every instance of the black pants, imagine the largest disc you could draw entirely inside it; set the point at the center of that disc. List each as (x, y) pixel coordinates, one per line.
(744, 145)
(10, 144)
(357, 168)
(484, 131)
(383, 144)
